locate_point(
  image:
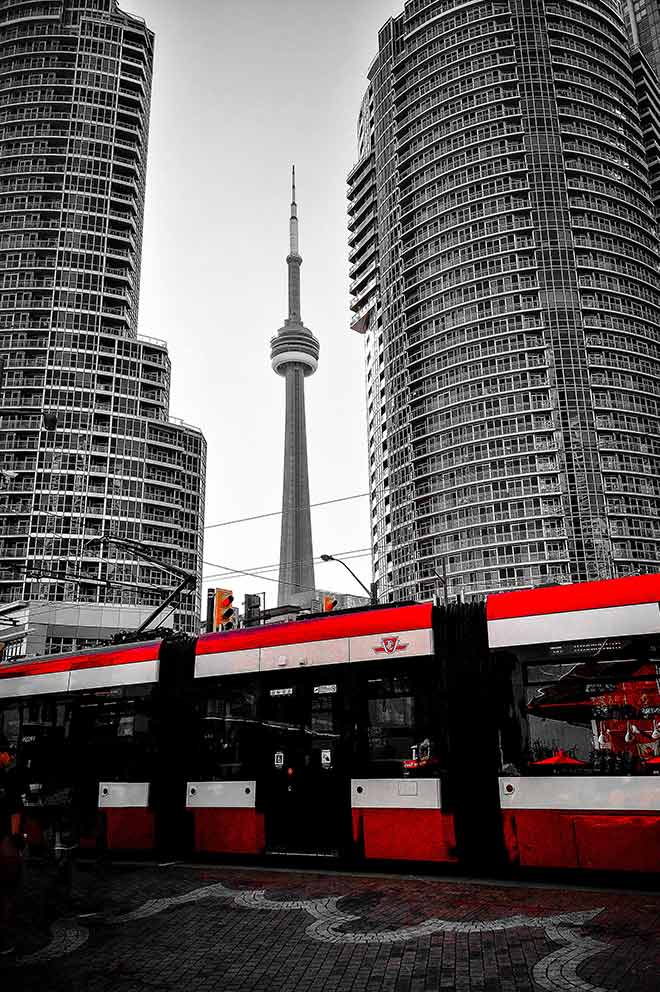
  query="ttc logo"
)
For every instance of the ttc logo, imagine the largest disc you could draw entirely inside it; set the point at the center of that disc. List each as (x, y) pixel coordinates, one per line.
(388, 645)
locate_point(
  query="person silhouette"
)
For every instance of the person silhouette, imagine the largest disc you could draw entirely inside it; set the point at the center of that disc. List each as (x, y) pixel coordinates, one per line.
(10, 845)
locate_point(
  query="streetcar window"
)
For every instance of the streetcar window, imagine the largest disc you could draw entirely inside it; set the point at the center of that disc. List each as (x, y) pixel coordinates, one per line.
(227, 731)
(283, 708)
(38, 731)
(404, 722)
(391, 713)
(113, 734)
(10, 725)
(324, 715)
(596, 717)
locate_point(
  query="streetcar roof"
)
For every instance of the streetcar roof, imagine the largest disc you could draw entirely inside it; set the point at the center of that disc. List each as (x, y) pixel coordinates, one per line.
(627, 591)
(625, 607)
(120, 664)
(417, 616)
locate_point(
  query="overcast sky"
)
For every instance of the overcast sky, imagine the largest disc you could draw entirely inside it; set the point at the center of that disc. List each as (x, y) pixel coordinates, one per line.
(242, 90)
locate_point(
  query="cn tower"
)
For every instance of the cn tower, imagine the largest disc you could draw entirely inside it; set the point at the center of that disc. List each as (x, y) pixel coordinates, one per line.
(294, 353)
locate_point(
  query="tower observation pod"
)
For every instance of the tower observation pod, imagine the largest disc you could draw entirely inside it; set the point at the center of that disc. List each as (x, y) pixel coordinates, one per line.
(294, 355)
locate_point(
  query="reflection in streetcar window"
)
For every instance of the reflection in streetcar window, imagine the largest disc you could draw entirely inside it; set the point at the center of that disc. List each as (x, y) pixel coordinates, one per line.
(324, 719)
(38, 732)
(406, 723)
(283, 708)
(593, 717)
(391, 709)
(113, 731)
(10, 725)
(227, 733)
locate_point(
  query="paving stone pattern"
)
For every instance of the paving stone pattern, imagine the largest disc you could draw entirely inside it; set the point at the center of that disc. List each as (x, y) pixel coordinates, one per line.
(148, 929)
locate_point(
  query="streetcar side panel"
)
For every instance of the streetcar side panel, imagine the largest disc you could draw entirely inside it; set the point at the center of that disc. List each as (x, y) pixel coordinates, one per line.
(580, 774)
(323, 737)
(79, 727)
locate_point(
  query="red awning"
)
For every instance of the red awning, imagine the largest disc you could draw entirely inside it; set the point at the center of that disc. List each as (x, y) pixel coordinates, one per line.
(560, 758)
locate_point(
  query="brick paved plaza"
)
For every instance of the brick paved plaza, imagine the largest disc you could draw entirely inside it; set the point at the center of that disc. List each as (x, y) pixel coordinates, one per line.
(155, 929)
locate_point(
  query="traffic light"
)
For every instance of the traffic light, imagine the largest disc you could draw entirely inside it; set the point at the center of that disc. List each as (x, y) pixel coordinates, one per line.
(329, 603)
(252, 609)
(225, 615)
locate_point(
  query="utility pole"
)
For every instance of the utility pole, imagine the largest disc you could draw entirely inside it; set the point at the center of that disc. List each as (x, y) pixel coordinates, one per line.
(442, 581)
(371, 593)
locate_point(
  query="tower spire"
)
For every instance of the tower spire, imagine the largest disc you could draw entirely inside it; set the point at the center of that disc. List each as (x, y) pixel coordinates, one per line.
(293, 225)
(294, 260)
(294, 355)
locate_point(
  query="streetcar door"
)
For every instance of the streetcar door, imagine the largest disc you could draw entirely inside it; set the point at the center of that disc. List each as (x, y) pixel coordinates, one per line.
(306, 788)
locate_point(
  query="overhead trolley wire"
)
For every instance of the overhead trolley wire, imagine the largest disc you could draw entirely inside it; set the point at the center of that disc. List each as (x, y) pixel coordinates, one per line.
(350, 555)
(257, 572)
(278, 513)
(253, 575)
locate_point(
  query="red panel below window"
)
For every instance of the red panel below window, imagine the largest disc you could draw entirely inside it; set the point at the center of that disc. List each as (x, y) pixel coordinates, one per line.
(405, 834)
(129, 829)
(612, 843)
(229, 831)
(602, 841)
(545, 839)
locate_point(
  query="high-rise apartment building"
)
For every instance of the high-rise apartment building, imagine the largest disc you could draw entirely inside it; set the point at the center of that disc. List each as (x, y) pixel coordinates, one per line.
(504, 264)
(86, 442)
(642, 20)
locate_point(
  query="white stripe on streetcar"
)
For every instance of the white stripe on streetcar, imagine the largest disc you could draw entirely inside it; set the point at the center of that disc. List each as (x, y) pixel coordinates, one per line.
(547, 628)
(226, 663)
(334, 651)
(605, 793)
(34, 685)
(221, 795)
(123, 795)
(135, 673)
(395, 793)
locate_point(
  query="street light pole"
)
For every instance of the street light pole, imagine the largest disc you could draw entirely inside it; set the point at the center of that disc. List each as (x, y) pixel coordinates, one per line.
(371, 593)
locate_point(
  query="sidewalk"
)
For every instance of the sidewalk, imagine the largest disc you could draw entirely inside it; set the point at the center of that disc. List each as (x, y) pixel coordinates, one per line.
(190, 929)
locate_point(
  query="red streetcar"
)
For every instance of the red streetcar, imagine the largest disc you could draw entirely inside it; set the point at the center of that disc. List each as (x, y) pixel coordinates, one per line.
(523, 731)
(85, 734)
(304, 730)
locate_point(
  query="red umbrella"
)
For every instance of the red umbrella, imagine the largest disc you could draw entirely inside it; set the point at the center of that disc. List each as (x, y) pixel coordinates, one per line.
(652, 761)
(560, 758)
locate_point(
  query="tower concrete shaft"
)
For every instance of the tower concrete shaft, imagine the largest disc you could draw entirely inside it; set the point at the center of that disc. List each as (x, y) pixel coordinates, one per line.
(296, 554)
(294, 355)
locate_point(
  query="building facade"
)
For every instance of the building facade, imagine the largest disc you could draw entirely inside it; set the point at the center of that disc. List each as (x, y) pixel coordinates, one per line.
(504, 265)
(87, 446)
(642, 20)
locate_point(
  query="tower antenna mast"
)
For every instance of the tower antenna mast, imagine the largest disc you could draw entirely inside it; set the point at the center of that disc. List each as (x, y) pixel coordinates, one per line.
(294, 356)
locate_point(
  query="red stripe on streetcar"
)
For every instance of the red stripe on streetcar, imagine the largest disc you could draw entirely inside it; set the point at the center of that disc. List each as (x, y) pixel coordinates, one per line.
(398, 618)
(103, 658)
(627, 591)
